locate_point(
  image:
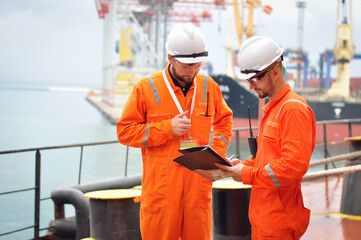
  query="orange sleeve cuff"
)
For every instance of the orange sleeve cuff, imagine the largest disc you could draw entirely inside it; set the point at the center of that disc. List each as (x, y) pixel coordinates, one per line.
(169, 129)
(246, 175)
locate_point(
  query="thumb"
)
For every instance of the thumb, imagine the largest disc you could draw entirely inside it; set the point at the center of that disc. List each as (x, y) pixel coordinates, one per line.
(183, 114)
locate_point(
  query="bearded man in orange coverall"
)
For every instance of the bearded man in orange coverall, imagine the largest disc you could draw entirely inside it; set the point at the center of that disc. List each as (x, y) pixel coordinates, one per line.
(169, 109)
(285, 144)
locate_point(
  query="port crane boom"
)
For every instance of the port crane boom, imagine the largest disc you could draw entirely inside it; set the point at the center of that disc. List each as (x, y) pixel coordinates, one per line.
(248, 30)
(343, 51)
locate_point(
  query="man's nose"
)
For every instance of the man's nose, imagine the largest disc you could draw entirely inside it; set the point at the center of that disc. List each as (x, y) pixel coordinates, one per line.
(251, 86)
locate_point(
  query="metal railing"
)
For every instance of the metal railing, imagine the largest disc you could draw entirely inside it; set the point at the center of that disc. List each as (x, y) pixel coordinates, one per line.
(37, 187)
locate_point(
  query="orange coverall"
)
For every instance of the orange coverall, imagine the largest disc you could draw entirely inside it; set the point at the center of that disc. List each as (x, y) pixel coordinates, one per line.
(285, 145)
(175, 202)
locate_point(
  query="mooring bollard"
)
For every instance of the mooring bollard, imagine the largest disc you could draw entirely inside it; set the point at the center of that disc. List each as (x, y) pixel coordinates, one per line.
(351, 189)
(114, 214)
(230, 210)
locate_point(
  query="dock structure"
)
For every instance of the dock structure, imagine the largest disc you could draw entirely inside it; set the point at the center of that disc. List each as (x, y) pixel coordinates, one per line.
(110, 111)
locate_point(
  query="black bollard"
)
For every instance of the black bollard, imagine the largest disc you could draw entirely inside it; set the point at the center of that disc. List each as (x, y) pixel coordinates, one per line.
(230, 210)
(351, 188)
(114, 214)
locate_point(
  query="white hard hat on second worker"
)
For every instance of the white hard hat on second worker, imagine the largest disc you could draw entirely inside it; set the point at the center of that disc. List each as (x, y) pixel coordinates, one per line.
(256, 54)
(186, 43)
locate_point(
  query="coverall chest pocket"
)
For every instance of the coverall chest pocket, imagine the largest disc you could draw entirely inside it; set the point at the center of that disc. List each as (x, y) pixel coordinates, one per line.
(158, 117)
(204, 119)
(271, 136)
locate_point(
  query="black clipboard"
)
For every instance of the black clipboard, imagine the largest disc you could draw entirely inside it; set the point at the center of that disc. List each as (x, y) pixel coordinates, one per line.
(201, 160)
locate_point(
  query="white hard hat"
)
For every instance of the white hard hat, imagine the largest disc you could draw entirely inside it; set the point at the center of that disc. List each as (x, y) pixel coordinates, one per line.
(256, 54)
(186, 43)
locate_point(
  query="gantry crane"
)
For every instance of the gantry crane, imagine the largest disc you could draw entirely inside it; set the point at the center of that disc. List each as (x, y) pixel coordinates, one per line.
(132, 30)
(343, 51)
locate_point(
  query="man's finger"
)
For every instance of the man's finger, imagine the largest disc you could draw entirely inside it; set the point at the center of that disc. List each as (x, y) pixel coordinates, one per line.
(182, 114)
(235, 162)
(221, 166)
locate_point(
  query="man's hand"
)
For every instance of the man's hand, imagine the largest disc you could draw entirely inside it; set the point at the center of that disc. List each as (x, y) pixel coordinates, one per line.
(234, 171)
(235, 161)
(181, 124)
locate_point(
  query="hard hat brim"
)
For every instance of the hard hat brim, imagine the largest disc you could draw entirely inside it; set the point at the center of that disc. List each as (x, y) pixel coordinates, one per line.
(244, 76)
(191, 60)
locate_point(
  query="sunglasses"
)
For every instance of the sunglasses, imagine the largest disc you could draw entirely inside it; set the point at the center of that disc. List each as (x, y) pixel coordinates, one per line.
(187, 68)
(255, 79)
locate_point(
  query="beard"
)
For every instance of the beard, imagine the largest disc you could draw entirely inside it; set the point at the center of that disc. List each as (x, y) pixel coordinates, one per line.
(185, 79)
(262, 95)
(266, 88)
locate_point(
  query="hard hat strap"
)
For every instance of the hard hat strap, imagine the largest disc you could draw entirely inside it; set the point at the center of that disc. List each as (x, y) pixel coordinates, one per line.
(250, 71)
(194, 55)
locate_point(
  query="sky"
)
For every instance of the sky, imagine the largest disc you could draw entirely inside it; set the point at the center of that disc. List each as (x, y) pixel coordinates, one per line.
(50, 41)
(61, 41)
(319, 28)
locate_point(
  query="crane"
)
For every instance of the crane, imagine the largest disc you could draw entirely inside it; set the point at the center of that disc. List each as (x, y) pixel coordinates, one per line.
(300, 55)
(241, 30)
(102, 7)
(132, 30)
(248, 30)
(343, 51)
(251, 4)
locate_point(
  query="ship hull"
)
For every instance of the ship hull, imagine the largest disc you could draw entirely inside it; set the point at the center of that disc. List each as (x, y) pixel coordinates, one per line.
(239, 98)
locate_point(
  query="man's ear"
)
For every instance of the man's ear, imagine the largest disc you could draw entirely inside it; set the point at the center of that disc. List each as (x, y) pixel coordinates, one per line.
(276, 72)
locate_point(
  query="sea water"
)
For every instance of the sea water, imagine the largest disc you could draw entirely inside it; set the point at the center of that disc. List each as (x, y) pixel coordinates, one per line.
(38, 115)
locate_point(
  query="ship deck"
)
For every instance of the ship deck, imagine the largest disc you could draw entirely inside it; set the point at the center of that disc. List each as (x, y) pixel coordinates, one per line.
(323, 197)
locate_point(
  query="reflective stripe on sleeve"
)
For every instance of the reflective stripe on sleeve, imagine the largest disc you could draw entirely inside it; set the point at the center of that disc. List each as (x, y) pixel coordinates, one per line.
(154, 89)
(145, 144)
(291, 100)
(223, 139)
(272, 175)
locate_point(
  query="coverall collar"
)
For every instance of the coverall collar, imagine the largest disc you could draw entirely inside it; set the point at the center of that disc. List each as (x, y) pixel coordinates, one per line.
(279, 96)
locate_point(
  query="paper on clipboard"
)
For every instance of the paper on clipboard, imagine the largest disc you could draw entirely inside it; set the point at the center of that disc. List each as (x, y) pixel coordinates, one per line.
(201, 159)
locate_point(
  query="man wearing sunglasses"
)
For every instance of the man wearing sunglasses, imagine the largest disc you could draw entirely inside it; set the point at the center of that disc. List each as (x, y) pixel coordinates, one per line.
(285, 144)
(167, 110)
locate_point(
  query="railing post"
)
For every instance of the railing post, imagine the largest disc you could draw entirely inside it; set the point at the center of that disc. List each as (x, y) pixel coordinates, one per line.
(238, 152)
(37, 195)
(80, 163)
(325, 143)
(126, 162)
(350, 133)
